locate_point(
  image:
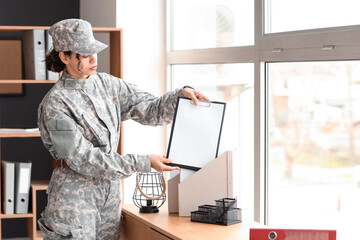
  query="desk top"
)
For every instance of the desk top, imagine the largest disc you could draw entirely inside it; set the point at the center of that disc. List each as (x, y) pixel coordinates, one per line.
(182, 228)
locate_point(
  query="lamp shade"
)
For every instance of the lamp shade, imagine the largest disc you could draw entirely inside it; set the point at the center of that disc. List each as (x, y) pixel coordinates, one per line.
(149, 194)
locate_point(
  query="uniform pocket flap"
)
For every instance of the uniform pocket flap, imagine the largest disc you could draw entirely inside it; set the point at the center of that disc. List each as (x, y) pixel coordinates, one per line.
(60, 230)
(63, 136)
(61, 125)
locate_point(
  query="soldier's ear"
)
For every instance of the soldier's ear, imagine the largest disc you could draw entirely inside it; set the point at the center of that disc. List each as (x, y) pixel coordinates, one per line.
(64, 58)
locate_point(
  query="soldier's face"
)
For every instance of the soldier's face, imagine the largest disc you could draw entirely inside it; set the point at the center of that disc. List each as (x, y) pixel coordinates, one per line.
(82, 66)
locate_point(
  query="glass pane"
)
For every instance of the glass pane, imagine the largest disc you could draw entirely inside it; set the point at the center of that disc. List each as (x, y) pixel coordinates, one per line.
(234, 84)
(314, 146)
(212, 23)
(285, 15)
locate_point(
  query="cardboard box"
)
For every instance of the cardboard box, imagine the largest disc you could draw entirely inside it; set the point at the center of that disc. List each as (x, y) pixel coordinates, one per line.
(212, 182)
(11, 68)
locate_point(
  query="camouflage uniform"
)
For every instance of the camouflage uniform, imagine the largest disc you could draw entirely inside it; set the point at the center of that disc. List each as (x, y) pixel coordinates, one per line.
(79, 121)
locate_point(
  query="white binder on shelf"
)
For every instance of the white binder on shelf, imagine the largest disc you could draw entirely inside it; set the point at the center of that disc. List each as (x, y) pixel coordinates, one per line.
(50, 75)
(22, 187)
(34, 54)
(8, 185)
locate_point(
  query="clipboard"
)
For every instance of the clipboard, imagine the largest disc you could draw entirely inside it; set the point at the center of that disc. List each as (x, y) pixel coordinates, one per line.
(195, 133)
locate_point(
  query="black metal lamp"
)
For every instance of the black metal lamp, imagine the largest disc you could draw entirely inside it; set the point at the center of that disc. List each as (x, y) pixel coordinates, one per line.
(149, 193)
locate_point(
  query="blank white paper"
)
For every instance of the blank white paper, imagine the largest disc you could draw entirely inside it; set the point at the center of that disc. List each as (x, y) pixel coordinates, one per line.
(196, 131)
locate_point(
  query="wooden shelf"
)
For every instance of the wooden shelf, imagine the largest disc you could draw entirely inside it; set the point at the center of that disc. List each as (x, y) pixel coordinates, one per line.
(6, 135)
(27, 81)
(39, 235)
(21, 28)
(17, 133)
(28, 28)
(36, 185)
(8, 216)
(116, 69)
(39, 185)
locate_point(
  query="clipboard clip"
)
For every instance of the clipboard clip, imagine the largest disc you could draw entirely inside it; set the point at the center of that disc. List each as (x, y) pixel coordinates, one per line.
(202, 103)
(183, 166)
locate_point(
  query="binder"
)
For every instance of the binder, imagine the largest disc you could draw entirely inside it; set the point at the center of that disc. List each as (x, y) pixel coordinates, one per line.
(22, 188)
(8, 184)
(34, 54)
(50, 75)
(195, 134)
(291, 234)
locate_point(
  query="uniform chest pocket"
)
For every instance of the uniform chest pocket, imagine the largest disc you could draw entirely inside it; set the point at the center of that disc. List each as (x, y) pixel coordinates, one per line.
(63, 136)
(94, 132)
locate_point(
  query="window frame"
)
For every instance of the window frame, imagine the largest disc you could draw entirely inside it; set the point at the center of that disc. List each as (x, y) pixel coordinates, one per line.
(324, 44)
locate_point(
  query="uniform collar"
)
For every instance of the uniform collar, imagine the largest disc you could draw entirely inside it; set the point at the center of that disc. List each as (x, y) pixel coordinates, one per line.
(74, 82)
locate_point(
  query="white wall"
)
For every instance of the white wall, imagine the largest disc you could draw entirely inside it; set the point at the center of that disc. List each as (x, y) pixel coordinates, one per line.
(144, 49)
(143, 23)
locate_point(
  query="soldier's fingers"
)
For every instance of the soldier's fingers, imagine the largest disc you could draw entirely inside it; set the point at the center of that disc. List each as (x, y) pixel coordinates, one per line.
(165, 160)
(194, 98)
(201, 96)
(169, 168)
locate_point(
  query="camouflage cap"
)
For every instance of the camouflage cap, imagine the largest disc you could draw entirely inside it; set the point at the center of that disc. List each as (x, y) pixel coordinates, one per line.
(75, 35)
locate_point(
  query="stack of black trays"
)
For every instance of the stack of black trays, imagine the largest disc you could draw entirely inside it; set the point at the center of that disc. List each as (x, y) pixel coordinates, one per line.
(225, 212)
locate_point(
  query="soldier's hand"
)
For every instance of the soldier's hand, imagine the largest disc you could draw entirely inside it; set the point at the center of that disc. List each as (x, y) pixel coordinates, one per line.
(158, 163)
(194, 95)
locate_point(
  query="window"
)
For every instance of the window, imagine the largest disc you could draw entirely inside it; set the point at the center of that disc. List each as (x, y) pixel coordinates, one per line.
(303, 94)
(314, 145)
(213, 27)
(214, 23)
(284, 15)
(234, 84)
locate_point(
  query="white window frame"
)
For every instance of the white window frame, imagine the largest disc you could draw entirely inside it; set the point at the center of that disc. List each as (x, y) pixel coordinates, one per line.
(325, 44)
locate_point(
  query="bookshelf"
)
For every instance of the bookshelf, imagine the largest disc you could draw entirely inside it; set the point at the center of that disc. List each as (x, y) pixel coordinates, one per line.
(26, 81)
(116, 69)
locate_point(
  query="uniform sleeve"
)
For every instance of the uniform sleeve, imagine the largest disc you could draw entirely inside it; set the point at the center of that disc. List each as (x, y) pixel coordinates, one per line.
(63, 137)
(144, 107)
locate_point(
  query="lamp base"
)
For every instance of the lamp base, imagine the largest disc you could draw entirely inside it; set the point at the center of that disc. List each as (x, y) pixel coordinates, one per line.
(149, 209)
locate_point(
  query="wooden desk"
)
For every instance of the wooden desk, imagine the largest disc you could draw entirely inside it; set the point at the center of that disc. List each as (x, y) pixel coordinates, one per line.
(165, 226)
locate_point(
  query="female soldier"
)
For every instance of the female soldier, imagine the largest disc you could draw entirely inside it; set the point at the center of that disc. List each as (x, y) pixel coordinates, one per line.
(79, 120)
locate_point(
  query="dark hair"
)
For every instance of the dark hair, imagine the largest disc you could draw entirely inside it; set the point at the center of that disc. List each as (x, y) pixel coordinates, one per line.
(54, 63)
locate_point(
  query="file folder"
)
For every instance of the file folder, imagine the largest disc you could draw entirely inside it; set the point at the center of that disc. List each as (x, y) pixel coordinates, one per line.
(34, 54)
(22, 189)
(8, 185)
(291, 234)
(50, 75)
